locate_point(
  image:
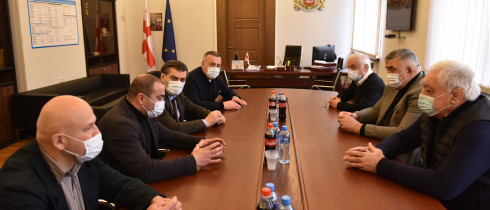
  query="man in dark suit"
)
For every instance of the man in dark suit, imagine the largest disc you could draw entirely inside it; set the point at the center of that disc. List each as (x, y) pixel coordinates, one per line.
(60, 169)
(133, 136)
(364, 91)
(203, 86)
(180, 113)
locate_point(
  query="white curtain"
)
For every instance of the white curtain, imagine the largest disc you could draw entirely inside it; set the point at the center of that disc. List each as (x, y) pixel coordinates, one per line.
(459, 30)
(367, 27)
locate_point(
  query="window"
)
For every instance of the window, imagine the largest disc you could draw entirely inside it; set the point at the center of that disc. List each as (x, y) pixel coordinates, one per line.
(368, 27)
(459, 30)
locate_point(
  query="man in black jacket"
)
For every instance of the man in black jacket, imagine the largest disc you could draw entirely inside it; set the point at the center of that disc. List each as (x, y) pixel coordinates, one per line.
(453, 164)
(133, 136)
(204, 85)
(364, 91)
(180, 113)
(60, 170)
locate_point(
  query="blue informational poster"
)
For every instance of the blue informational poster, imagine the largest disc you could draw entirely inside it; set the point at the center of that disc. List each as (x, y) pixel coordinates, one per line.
(53, 23)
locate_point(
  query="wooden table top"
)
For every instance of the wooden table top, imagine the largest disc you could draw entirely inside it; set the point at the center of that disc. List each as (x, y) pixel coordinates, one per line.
(316, 178)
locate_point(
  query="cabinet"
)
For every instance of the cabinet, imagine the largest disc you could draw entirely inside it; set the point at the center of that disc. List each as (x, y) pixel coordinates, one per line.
(100, 35)
(8, 83)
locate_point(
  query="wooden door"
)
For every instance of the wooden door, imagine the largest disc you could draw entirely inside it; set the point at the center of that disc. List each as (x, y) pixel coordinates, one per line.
(246, 26)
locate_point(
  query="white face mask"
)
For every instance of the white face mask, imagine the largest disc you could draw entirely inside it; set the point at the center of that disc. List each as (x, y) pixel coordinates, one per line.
(426, 104)
(174, 87)
(393, 80)
(157, 111)
(93, 146)
(353, 75)
(213, 72)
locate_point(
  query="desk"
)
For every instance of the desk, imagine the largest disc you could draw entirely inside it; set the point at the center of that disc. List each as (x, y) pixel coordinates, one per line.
(316, 178)
(300, 78)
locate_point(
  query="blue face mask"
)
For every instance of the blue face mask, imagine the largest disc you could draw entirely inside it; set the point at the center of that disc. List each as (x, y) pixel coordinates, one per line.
(426, 104)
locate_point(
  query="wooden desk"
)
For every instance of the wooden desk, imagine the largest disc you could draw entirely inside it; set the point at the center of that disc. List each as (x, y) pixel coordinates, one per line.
(300, 78)
(316, 178)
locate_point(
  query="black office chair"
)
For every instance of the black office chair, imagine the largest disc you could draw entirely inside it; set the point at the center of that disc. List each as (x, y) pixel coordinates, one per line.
(293, 54)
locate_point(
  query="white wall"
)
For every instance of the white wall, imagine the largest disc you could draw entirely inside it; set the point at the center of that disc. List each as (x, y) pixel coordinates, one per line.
(333, 25)
(415, 40)
(43, 66)
(195, 33)
(194, 25)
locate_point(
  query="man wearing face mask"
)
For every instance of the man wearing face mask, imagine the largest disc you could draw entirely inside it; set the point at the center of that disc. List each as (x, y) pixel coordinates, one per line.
(180, 113)
(204, 85)
(133, 136)
(60, 169)
(364, 91)
(453, 136)
(397, 108)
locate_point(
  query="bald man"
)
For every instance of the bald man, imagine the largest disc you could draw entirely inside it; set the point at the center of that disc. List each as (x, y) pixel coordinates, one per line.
(60, 169)
(364, 91)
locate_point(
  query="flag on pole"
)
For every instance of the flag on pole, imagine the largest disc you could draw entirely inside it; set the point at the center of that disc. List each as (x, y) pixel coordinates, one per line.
(169, 51)
(247, 58)
(147, 48)
(236, 56)
(100, 47)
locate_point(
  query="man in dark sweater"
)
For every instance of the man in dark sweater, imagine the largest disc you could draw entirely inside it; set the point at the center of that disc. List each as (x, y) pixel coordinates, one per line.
(364, 91)
(180, 113)
(133, 136)
(204, 85)
(60, 168)
(453, 135)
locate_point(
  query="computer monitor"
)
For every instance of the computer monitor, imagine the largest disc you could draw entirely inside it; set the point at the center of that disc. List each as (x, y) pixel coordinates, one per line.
(324, 53)
(293, 54)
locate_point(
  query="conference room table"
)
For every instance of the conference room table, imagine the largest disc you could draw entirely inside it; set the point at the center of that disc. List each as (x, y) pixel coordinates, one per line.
(316, 177)
(299, 78)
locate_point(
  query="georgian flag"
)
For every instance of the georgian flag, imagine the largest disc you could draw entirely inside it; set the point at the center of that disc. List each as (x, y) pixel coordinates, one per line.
(247, 58)
(147, 48)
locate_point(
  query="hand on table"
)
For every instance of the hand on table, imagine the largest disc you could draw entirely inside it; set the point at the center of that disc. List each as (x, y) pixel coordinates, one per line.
(208, 151)
(231, 105)
(161, 203)
(348, 121)
(215, 117)
(363, 158)
(239, 101)
(333, 101)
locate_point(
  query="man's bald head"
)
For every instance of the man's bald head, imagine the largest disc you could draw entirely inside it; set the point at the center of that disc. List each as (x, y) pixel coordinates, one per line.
(63, 114)
(143, 83)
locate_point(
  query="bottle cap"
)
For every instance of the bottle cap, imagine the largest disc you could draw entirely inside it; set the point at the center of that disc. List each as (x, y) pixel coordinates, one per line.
(275, 124)
(279, 93)
(283, 93)
(270, 185)
(266, 191)
(285, 200)
(270, 125)
(284, 127)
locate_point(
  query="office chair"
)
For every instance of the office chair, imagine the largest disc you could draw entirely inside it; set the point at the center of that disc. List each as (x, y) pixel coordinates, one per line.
(228, 81)
(293, 54)
(324, 84)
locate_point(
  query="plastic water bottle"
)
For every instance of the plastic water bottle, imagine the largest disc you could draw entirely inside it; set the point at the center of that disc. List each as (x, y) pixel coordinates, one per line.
(284, 145)
(286, 203)
(276, 133)
(282, 106)
(265, 200)
(274, 199)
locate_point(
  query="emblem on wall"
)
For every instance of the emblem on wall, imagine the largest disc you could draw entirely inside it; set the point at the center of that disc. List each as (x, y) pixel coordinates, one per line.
(309, 5)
